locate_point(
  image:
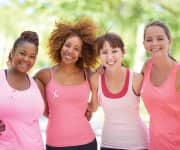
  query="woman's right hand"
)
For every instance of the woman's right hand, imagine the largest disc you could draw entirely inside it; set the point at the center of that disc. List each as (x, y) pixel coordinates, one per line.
(2, 127)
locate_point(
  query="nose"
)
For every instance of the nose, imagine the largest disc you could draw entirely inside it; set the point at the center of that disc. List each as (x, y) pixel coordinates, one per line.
(154, 42)
(110, 56)
(70, 49)
(26, 58)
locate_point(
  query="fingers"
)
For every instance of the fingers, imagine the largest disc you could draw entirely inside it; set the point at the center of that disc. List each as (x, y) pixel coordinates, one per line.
(2, 127)
(88, 115)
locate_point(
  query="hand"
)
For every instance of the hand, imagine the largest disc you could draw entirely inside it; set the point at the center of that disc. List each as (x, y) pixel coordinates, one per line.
(89, 112)
(100, 69)
(2, 127)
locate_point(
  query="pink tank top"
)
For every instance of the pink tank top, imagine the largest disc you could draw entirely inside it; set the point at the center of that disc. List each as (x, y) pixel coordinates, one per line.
(67, 124)
(123, 127)
(20, 111)
(163, 105)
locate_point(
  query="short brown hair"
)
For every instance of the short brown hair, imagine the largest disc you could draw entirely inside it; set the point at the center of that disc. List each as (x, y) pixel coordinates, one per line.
(113, 39)
(85, 29)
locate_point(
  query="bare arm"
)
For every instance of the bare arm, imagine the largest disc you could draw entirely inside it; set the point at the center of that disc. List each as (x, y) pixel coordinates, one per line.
(137, 83)
(144, 66)
(94, 90)
(42, 77)
(178, 81)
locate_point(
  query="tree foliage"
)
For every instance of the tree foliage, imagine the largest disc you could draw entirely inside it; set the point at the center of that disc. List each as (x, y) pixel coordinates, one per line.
(121, 16)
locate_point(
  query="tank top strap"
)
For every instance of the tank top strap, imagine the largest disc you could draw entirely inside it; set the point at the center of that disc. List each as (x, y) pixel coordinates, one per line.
(148, 69)
(51, 73)
(2, 75)
(85, 74)
(131, 74)
(99, 89)
(175, 69)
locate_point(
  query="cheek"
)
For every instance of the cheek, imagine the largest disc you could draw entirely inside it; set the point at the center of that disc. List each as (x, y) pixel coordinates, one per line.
(102, 59)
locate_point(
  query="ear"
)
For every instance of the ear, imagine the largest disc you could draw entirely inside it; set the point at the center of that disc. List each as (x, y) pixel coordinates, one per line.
(170, 41)
(11, 53)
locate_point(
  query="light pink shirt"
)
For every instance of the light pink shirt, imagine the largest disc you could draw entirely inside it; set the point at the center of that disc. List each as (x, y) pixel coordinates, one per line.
(123, 127)
(20, 111)
(163, 105)
(67, 124)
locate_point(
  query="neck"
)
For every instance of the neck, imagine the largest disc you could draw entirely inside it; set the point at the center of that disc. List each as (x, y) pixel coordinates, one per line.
(115, 72)
(15, 73)
(69, 68)
(163, 62)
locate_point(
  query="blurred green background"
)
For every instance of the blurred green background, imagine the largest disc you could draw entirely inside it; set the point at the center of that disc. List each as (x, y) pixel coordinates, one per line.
(125, 17)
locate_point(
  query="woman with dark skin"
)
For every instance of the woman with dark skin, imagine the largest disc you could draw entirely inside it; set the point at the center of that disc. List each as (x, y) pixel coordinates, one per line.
(21, 103)
(67, 88)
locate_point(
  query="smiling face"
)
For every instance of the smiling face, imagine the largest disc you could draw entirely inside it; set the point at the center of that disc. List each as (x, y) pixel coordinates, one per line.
(110, 57)
(156, 42)
(71, 50)
(23, 57)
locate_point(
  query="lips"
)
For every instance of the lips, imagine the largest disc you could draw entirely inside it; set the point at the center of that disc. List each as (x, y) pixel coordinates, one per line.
(111, 62)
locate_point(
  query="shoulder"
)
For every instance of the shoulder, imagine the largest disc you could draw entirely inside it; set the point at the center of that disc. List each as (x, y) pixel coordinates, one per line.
(137, 82)
(94, 79)
(43, 75)
(177, 82)
(145, 65)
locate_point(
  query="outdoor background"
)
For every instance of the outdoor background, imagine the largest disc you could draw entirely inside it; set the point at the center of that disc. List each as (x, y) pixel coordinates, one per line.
(125, 17)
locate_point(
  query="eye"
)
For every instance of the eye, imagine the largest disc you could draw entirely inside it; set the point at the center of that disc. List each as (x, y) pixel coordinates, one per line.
(160, 39)
(67, 45)
(148, 40)
(114, 51)
(104, 52)
(33, 56)
(77, 49)
(22, 53)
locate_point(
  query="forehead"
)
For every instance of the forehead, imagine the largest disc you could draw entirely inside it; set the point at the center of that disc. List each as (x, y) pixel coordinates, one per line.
(26, 46)
(108, 44)
(154, 30)
(74, 39)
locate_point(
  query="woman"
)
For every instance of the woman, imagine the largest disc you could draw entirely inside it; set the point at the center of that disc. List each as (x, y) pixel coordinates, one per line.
(118, 90)
(161, 88)
(67, 87)
(21, 103)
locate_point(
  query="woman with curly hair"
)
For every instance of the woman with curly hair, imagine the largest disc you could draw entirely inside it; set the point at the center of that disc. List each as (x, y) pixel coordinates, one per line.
(67, 88)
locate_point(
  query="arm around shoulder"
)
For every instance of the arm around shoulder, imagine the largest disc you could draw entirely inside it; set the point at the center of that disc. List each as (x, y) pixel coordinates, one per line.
(42, 77)
(137, 83)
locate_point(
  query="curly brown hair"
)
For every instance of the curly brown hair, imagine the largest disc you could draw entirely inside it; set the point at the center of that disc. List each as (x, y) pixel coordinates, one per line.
(85, 29)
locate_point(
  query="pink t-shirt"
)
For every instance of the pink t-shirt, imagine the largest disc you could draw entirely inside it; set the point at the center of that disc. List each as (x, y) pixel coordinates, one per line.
(67, 124)
(20, 111)
(163, 105)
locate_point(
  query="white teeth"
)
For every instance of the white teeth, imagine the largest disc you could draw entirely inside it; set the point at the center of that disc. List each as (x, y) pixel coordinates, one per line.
(110, 63)
(68, 57)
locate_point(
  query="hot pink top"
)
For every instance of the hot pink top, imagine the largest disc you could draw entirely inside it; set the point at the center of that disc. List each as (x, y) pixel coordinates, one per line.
(20, 111)
(67, 124)
(163, 105)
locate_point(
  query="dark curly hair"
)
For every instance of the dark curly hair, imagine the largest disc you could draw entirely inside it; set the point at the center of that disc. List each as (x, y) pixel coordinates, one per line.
(83, 28)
